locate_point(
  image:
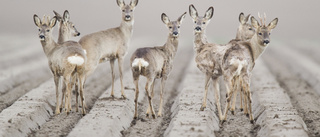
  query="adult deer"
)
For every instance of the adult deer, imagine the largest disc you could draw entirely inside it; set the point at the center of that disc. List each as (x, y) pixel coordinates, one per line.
(67, 30)
(64, 60)
(110, 44)
(239, 61)
(156, 62)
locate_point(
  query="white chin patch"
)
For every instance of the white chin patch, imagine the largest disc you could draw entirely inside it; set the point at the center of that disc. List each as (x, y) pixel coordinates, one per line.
(265, 44)
(128, 19)
(42, 39)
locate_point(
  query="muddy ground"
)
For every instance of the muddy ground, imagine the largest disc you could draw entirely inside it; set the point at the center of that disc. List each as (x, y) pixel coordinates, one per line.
(285, 99)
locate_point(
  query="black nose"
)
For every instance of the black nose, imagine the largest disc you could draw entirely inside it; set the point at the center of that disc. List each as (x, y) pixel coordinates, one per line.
(41, 37)
(175, 33)
(198, 28)
(127, 16)
(78, 34)
(266, 41)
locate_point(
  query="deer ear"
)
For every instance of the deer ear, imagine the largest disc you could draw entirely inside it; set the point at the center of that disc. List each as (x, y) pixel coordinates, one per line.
(120, 3)
(59, 17)
(254, 22)
(66, 16)
(53, 22)
(273, 23)
(165, 19)
(134, 3)
(209, 13)
(37, 20)
(181, 18)
(193, 12)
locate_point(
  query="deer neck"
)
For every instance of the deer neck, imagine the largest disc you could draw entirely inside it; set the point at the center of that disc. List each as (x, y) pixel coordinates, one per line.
(126, 28)
(63, 36)
(257, 48)
(200, 40)
(48, 45)
(171, 46)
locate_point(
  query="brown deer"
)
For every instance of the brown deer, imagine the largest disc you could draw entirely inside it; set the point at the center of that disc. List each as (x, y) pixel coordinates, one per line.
(110, 44)
(156, 62)
(63, 59)
(245, 32)
(207, 55)
(67, 30)
(239, 61)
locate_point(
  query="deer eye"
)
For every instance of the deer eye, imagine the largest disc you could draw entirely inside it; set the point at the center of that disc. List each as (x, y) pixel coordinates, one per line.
(178, 26)
(170, 27)
(39, 30)
(48, 30)
(195, 21)
(250, 28)
(269, 33)
(123, 10)
(204, 23)
(260, 33)
(131, 10)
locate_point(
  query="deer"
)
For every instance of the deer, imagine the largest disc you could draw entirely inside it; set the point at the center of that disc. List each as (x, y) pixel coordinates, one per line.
(155, 63)
(67, 30)
(63, 59)
(245, 32)
(239, 60)
(110, 44)
(209, 55)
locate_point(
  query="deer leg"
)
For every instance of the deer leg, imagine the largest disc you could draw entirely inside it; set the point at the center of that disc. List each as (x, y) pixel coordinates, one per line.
(56, 82)
(230, 89)
(241, 92)
(215, 82)
(113, 76)
(63, 95)
(136, 83)
(76, 88)
(120, 64)
(163, 83)
(148, 86)
(206, 85)
(81, 82)
(235, 87)
(249, 98)
(68, 94)
(152, 95)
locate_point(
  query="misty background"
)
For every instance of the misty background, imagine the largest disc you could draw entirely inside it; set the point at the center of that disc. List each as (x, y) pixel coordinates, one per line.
(297, 19)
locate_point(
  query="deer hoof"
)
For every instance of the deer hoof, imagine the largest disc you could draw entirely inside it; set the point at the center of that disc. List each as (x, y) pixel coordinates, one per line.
(202, 108)
(241, 109)
(232, 112)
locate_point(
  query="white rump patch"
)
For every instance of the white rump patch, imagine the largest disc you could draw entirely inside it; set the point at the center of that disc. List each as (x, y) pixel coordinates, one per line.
(238, 62)
(141, 61)
(77, 60)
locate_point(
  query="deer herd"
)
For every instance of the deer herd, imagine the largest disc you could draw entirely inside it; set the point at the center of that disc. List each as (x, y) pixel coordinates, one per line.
(74, 61)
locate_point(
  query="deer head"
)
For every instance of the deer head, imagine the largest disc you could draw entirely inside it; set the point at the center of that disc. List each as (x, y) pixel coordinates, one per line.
(127, 10)
(173, 26)
(200, 23)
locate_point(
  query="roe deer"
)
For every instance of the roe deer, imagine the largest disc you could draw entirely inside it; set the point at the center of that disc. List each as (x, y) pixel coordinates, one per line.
(63, 59)
(245, 32)
(208, 55)
(156, 62)
(110, 44)
(67, 30)
(239, 61)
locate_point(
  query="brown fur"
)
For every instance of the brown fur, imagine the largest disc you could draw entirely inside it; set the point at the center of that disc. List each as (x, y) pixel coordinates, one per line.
(159, 59)
(58, 55)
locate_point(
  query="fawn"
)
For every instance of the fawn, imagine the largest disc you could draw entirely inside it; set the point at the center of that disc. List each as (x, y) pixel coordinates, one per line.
(239, 61)
(155, 62)
(63, 59)
(110, 44)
